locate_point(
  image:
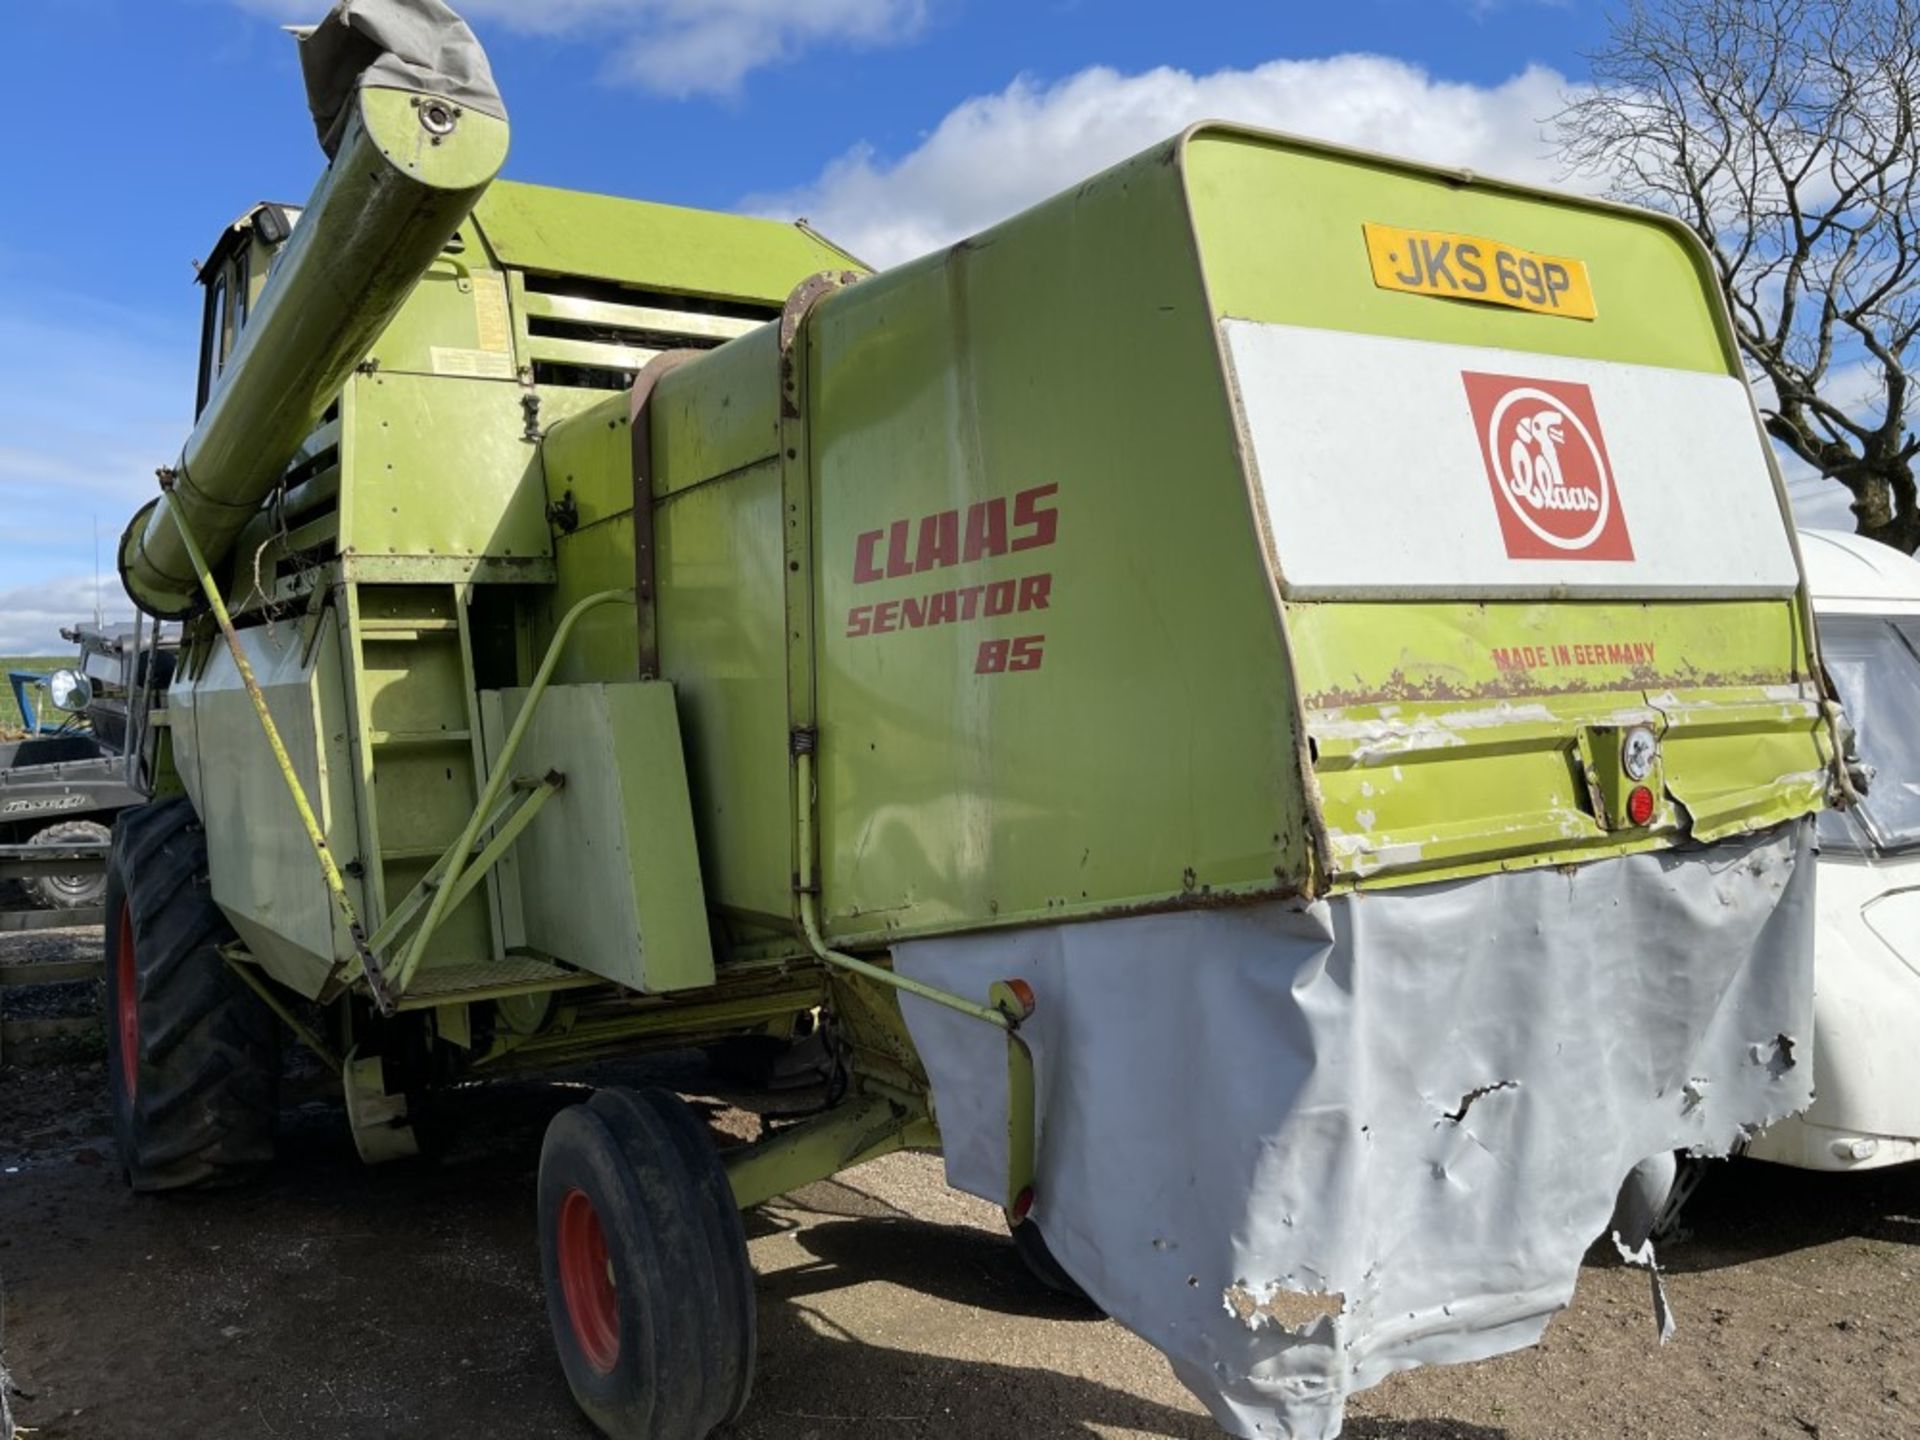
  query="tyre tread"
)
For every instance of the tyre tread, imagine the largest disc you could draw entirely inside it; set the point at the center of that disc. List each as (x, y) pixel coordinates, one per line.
(208, 1082)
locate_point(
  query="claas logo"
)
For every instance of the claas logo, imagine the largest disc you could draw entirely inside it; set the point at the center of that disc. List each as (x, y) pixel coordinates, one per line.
(1547, 462)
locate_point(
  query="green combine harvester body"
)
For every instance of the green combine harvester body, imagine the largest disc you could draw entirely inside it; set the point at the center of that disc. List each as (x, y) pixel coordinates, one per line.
(668, 626)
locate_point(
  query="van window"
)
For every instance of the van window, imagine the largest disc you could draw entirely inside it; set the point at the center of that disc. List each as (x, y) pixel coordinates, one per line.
(1875, 665)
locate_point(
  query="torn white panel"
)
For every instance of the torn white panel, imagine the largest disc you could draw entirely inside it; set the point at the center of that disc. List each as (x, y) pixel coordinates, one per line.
(1299, 1147)
(1641, 1257)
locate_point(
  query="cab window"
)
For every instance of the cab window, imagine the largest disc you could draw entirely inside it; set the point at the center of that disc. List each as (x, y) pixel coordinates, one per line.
(228, 297)
(213, 329)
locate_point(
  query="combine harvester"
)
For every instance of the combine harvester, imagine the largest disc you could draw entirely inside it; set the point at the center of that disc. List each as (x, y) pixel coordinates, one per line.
(1269, 701)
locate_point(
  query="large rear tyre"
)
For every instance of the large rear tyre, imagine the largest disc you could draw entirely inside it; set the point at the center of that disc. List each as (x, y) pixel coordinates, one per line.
(193, 1056)
(70, 892)
(649, 1291)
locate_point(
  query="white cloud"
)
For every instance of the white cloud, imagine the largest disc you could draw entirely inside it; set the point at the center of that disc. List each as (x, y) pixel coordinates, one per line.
(997, 154)
(92, 399)
(679, 47)
(31, 616)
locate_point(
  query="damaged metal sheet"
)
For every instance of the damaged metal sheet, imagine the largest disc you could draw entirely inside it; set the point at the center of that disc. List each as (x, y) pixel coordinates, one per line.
(1301, 1146)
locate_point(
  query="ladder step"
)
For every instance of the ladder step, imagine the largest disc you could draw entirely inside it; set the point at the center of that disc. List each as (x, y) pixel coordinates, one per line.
(405, 628)
(407, 854)
(439, 984)
(420, 737)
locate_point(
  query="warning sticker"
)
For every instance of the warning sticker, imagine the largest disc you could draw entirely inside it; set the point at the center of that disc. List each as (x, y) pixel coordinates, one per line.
(475, 364)
(490, 313)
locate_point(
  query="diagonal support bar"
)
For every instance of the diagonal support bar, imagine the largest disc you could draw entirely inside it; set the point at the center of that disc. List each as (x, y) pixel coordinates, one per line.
(530, 800)
(401, 915)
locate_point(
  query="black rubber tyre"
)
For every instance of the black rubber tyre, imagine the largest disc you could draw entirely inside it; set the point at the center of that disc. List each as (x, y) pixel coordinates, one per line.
(1032, 1248)
(730, 1352)
(70, 892)
(193, 1055)
(649, 1291)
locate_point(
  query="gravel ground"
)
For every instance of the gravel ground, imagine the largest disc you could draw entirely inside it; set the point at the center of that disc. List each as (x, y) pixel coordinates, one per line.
(330, 1300)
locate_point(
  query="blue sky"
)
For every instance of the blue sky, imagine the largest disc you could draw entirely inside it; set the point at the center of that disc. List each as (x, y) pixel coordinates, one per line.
(893, 124)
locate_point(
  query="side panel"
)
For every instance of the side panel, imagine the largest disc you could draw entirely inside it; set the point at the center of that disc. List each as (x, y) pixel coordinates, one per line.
(722, 646)
(607, 871)
(719, 598)
(444, 470)
(264, 874)
(1051, 677)
(587, 460)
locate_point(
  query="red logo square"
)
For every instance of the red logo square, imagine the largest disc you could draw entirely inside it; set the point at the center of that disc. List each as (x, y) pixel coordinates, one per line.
(1547, 463)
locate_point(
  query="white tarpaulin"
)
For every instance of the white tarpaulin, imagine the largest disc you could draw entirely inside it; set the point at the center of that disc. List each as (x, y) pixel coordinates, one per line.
(1298, 1146)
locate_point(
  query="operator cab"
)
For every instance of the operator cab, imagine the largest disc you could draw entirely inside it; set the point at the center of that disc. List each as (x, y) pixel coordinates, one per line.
(234, 274)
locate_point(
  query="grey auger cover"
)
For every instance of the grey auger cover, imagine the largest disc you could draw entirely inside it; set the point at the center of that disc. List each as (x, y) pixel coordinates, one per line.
(417, 45)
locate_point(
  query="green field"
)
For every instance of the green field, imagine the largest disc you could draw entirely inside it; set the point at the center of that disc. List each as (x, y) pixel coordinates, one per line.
(9, 712)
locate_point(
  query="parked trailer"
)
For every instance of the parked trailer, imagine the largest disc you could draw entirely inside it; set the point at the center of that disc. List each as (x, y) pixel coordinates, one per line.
(1268, 702)
(1866, 1109)
(61, 785)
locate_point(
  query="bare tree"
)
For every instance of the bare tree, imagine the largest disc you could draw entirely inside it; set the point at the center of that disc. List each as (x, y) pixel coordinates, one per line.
(1784, 133)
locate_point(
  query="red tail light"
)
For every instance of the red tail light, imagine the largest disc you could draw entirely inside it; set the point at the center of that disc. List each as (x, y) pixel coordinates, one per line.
(1640, 805)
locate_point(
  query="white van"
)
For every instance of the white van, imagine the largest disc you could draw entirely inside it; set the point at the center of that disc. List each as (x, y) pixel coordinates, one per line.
(1866, 1110)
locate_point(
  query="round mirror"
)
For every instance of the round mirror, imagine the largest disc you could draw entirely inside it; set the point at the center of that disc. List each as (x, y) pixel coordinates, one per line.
(69, 690)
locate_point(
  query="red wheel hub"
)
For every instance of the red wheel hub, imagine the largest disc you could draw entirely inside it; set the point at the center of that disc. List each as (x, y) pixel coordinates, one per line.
(126, 1006)
(586, 1281)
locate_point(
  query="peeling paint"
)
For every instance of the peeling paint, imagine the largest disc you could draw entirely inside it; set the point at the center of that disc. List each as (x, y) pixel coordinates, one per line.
(1281, 1307)
(1356, 855)
(1802, 779)
(1431, 688)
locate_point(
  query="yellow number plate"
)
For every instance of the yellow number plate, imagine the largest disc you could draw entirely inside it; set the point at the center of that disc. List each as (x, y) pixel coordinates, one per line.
(1470, 267)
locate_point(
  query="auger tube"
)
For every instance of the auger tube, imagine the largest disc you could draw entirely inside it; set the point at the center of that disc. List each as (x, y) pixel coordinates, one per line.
(407, 172)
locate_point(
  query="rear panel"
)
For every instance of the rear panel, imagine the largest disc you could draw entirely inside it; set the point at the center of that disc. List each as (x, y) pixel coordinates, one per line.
(1516, 503)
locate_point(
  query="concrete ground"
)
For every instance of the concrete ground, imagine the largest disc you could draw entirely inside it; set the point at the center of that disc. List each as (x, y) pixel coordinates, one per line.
(330, 1300)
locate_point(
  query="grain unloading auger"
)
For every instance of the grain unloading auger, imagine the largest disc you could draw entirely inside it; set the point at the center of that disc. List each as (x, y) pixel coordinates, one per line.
(1267, 704)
